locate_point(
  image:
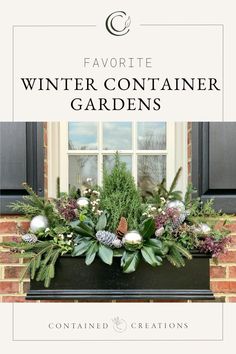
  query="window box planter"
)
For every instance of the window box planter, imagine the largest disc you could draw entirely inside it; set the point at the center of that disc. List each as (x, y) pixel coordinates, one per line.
(75, 280)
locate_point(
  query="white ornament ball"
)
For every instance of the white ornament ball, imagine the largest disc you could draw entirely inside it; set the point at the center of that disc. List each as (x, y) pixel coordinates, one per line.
(82, 202)
(176, 204)
(203, 229)
(132, 238)
(159, 232)
(38, 223)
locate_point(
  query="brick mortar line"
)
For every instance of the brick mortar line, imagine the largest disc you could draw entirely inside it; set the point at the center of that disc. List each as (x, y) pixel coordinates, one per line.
(13, 220)
(9, 294)
(10, 264)
(223, 264)
(14, 280)
(11, 234)
(14, 265)
(229, 280)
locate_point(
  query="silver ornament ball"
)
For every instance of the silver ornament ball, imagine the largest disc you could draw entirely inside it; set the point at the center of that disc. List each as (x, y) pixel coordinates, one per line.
(176, 204)
(38, 223)
(82, 202)
(132, 238)
(203, 229)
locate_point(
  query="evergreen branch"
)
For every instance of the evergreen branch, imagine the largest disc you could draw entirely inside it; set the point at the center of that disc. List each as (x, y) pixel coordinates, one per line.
(178, 257)
(188, 194)
(175, 180)
(25, 208)
(36, 200)
(33, 259)
(182, 250)
(172, 260)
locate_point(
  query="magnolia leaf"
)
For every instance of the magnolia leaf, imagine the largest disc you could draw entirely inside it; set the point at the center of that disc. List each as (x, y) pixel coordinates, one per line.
(81, 248)
(159, 260)
(156, 245)
(82, 226)
(105, 253)
(91, 253)
(148, 228)
(149, 256)
(102, 222)
(86, 228)
(83, 233)
(130, 261)
(74, 223)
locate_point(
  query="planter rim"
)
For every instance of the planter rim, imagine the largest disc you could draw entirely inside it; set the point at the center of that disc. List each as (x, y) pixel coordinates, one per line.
(194, 253)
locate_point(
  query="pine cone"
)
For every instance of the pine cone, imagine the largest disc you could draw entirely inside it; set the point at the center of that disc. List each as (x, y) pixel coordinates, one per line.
(108, 239)
(122, 227)
(117, 243)
(29, 238)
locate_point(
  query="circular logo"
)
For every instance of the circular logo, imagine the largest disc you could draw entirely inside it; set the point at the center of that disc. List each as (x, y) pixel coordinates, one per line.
(119, 325)
(118, 23)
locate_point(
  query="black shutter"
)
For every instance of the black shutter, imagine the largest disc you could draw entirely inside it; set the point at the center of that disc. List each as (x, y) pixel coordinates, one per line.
(21, 160)
(214, 163)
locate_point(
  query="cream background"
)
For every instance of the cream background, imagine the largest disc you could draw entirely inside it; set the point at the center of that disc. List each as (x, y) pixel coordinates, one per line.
(78, 12)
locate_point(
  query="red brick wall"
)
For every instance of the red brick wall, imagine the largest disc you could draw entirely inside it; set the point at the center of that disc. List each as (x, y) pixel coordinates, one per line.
(223, 275)
(11, 267)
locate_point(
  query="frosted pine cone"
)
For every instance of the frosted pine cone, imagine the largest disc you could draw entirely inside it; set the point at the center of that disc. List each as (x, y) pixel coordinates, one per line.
(29, 238)
(108, 239)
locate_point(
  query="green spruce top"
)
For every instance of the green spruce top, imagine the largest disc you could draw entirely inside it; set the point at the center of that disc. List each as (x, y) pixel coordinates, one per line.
(120, 196)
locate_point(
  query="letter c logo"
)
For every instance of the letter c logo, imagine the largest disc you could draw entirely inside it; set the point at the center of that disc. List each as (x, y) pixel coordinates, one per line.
(112, 27)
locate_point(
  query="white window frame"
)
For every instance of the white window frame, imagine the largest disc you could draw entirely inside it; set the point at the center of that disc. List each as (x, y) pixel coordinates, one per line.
(58, 161)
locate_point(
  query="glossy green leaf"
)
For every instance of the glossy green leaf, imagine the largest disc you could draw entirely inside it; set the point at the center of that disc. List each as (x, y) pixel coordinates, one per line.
(105, 253)
(91, 253)
(102, 222)
(148, 228)
(149, 256)
(156, 245)
(130, 261)
(81, 228)
(81, 248)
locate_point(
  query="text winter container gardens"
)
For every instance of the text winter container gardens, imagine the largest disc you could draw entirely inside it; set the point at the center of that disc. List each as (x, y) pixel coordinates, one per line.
(112, 242)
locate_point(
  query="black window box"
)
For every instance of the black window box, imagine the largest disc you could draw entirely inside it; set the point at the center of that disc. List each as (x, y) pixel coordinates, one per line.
(75, 280)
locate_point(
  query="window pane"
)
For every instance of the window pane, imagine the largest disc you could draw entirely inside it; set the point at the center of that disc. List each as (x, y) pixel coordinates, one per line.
(117, 136)
(82, 136)
(82, 167)
(151, 171)
(108, 161)
(151, 136)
